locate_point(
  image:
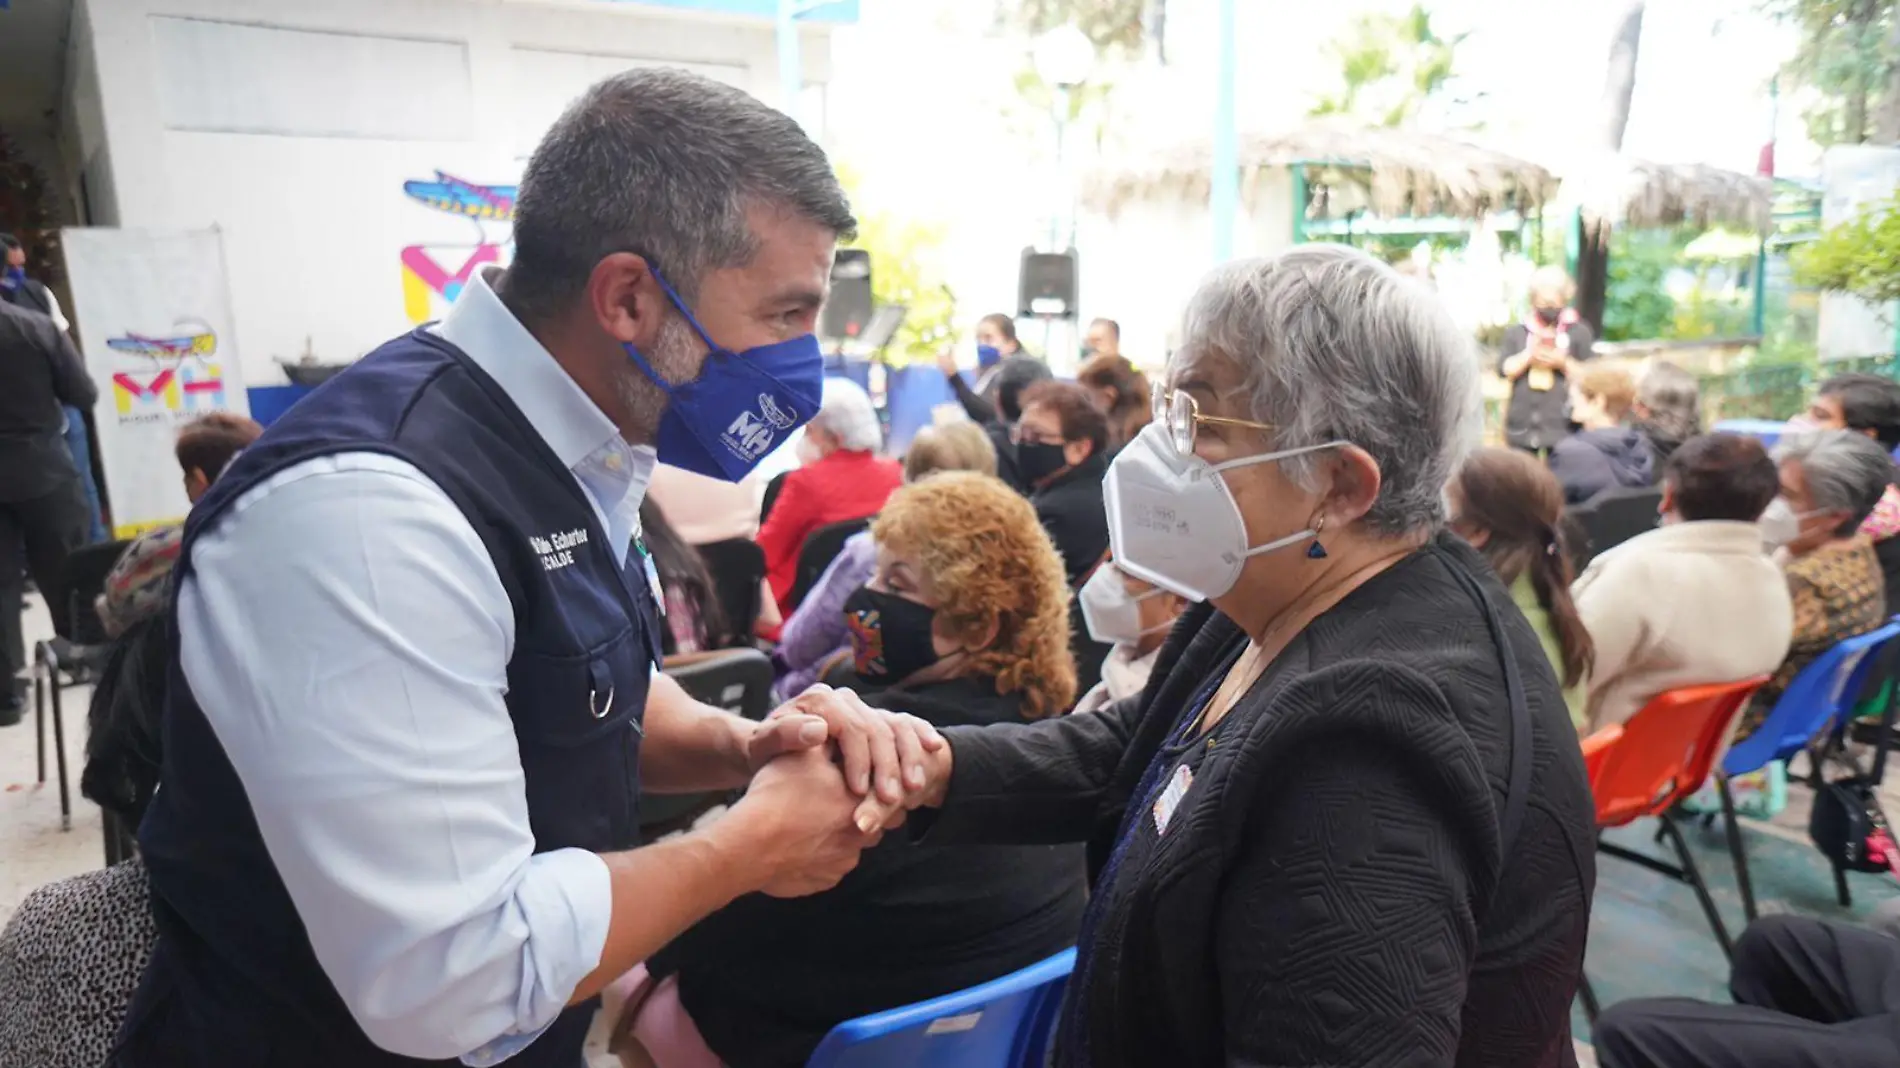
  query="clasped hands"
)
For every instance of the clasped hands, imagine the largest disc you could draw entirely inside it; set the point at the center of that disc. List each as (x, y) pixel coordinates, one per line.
(831, 769)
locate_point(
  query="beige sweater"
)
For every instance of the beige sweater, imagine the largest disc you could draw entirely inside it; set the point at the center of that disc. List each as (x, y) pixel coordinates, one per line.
(1683, 605)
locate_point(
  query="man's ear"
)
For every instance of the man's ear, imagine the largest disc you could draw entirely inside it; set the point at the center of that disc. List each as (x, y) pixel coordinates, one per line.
(626, 299)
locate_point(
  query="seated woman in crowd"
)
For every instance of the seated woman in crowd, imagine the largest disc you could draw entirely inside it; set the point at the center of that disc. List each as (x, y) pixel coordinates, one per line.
(140, 583)
(816, 633)
(1062, 453)
(963, 622)
(1311, 842)
(695, 620)
(1668, 409)
(1830, 482)
(74, 952)
(1131, 616)
(1508, 506)
(843, 478)
(1869, 405)
(1696, 600)
(1122, 392)
(1605, 454)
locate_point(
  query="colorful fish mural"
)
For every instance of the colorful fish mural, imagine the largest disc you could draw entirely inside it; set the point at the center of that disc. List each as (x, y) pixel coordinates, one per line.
(461, 197)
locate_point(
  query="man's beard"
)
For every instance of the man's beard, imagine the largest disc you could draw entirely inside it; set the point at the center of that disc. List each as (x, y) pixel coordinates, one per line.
(675, 355)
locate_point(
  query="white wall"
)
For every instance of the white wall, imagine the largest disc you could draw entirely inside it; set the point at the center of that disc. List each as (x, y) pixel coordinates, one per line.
(292, 127)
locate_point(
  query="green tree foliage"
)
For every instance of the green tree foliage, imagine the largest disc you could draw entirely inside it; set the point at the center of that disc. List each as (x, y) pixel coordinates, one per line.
(907, 269)
(1389, 67)
(1636, 304)
(1860, 256)
(1846, 56)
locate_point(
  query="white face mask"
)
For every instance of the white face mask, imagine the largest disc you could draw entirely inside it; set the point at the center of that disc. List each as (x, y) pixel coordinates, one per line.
(1780, 523)
(1111, 613)
(1173, 522)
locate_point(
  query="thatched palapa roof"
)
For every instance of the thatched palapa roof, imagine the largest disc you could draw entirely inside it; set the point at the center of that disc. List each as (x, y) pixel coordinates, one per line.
(1633, 192)
(1402, 172)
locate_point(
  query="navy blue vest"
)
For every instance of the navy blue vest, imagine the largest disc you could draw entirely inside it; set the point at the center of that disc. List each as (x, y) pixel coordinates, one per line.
(234, 980)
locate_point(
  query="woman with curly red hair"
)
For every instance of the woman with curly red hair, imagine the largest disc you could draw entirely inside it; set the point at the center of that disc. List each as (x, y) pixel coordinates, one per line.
(964, 622)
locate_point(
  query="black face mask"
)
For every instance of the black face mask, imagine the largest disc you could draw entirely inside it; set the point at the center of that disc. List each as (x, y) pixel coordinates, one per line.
(890, 636)
(1549, 316)
(1037, 460)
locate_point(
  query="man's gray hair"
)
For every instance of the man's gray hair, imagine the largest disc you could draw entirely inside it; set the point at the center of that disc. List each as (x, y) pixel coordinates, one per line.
(1337, 346)
(1846, 471)
(846, 412)
(664, 163)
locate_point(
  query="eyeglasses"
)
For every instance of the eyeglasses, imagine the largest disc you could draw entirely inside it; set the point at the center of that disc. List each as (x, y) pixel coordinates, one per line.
(1180, 415)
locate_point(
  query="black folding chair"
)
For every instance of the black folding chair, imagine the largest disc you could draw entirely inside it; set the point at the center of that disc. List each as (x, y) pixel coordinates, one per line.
(737, 566)
(821, 547)
(770, 498)
(83, 650)
(1611, 518)
(737, 680)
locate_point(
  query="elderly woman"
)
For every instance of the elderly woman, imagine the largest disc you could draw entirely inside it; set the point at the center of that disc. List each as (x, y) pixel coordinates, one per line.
(1668, 409)
(816, 633)
(843, 478)
(1869, 405)
(1347, 821)
(964, 621)
(1131, 617)
(1830, 482)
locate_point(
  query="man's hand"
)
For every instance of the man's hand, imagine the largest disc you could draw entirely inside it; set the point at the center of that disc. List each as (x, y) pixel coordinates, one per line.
(883, 751)
(796, 819)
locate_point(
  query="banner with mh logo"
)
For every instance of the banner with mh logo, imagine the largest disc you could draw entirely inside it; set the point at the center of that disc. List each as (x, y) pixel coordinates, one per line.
(155, 324)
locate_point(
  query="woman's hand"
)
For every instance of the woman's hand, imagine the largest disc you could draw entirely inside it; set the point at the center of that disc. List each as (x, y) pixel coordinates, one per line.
(947, 362)
(884, 753)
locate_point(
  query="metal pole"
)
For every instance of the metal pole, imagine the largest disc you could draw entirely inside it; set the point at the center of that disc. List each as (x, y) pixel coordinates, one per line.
(1224, 178)
(1060, 208)
(1760, 319)
(790, 78)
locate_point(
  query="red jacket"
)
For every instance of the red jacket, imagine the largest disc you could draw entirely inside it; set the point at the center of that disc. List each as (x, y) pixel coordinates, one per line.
(843, 485)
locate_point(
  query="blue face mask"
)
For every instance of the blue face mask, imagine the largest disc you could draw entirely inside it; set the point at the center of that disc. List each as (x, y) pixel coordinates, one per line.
(742, 405)
(12, 278)
(988, 356)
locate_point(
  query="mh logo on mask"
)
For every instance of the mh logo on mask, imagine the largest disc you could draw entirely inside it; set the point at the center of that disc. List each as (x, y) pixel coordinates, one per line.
(751, 435)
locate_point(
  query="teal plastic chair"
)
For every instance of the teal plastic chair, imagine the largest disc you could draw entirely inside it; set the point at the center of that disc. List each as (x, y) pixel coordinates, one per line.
(1004, 1023)
(1820, 698)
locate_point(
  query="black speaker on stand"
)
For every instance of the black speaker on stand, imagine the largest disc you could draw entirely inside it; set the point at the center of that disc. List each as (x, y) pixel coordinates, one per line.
(848, 310)
(1046, 286)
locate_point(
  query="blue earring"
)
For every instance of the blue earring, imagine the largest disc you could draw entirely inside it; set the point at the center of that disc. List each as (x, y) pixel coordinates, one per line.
(1316, 551)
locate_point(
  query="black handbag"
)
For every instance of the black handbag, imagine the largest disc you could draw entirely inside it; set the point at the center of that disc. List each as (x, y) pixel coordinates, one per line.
(1847, 824)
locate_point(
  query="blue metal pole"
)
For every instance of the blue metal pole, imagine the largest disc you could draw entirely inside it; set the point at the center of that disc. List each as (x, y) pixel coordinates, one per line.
(790, 78)
(1224, 178)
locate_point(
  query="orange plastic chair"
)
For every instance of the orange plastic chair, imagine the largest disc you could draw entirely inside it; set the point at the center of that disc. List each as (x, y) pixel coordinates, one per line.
(1662, 755)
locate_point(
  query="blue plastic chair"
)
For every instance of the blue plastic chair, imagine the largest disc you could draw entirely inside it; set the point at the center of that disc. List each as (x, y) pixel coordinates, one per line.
(1004, 1023)
(1820, 697)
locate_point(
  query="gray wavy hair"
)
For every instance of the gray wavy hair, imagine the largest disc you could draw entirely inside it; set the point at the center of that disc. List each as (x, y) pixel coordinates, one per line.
(1846, 471)
(846, 412)
(1337, 346)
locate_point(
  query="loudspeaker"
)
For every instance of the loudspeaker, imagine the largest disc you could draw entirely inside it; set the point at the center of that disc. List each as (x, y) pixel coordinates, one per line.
(848, 308)
(1046, 288)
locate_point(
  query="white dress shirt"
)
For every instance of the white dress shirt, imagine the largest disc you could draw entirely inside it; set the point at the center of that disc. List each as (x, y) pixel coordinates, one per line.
(347, 636)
